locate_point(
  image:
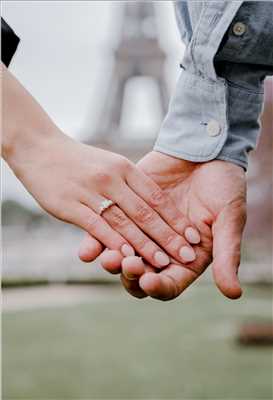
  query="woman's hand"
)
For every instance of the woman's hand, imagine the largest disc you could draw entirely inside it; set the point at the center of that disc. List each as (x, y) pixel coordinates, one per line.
(70, 180)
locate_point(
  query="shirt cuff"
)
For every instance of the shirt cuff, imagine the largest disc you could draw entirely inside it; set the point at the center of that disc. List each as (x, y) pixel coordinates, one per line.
(195, 128)
(211, 120)
(243, 109)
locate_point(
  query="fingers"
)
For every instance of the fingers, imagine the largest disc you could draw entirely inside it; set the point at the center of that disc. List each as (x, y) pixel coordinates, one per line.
(90, 248)
(111, 261)
(132, 267)
(114, 217)
(169, 283)
(152, 224)
(142, 244)
(157, 286)
(98, 228)
(227, 237)
(166, 285)
(163, 203)
(132, 287)
(135, 214)
(173, 280)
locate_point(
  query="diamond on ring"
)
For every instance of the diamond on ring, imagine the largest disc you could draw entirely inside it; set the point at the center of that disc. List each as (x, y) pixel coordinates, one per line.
(105, 204)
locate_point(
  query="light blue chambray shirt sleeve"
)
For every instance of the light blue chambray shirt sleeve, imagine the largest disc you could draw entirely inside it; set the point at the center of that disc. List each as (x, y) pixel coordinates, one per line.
(244, 64)
(214, 113)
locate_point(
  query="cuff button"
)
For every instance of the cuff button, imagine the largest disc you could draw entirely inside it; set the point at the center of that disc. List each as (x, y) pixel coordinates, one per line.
(239, 29)
(213, 128)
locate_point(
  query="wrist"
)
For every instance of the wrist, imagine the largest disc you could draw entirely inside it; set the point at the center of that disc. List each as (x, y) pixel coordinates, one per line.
(21, 143)
(34, 150)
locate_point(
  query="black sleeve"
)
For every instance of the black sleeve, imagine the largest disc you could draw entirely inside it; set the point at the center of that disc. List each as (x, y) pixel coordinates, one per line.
(9, 43)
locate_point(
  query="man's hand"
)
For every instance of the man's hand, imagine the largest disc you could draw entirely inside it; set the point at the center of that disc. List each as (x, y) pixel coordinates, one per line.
(213, 196)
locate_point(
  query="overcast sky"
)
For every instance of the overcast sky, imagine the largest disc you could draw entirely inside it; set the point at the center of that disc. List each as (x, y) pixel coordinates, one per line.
(62, 60)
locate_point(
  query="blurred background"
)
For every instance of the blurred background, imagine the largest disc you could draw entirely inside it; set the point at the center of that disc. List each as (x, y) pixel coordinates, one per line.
(104, 71)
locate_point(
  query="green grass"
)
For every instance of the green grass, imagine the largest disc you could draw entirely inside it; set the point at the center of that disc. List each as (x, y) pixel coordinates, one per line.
(129, 349)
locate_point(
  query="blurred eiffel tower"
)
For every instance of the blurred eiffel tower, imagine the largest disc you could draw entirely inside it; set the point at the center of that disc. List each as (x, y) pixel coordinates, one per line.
(138, 54)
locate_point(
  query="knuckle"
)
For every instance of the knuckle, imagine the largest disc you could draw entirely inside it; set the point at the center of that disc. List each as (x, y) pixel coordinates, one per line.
(171, 240)
(238, 210)
(116, 217)
(59, 208)
(143, 246)
(157, 197)
(92, 222)
(180, 225)
(103, 178)
(143, 214)
(122, 163)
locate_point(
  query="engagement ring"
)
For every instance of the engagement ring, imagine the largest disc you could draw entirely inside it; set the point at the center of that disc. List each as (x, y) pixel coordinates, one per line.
(105, 204)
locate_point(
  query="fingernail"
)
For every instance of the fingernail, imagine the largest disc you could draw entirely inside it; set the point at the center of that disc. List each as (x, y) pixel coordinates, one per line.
(161, 259)
(131, 277)
(187, 254)
(132, 267)
(192, 235)
(127, 250)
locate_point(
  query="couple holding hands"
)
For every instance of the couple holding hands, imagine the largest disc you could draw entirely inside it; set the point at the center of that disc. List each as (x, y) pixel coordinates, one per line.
(161, 222)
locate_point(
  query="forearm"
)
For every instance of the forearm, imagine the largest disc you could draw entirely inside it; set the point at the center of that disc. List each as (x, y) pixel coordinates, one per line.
(26, 126)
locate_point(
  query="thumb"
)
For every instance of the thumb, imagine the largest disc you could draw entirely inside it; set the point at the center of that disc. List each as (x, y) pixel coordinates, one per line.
(227, 236)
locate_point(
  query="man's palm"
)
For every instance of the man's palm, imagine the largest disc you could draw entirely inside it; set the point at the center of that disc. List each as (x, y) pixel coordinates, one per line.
(213, 196)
